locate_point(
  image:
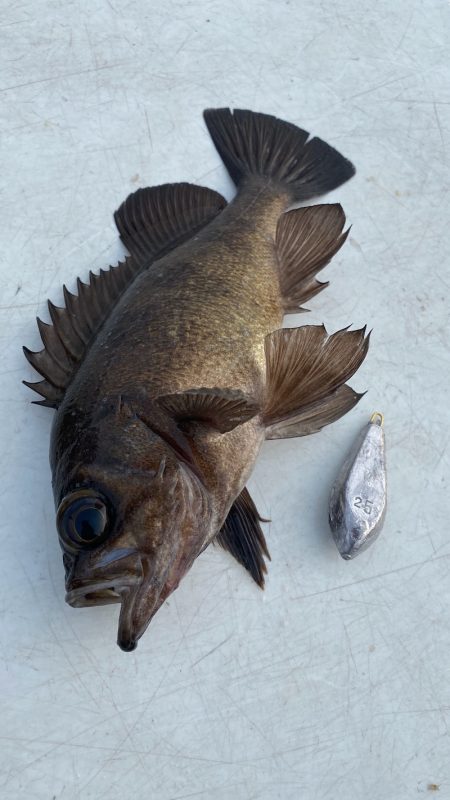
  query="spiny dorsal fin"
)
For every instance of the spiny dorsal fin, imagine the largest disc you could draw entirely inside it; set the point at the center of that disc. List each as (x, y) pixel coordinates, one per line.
(66, 340)
(161, 218)
(224, 409)
(242, 536)
(306, 240)
(306, 374)
(155, 220)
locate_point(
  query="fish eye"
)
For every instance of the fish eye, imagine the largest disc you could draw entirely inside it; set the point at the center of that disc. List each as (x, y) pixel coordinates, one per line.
(83, 519)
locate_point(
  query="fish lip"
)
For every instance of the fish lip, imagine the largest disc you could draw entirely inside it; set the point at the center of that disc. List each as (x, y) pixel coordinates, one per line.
(107, 588)
(127, 640)
(139, 605)
(129, 630)
(94, 592)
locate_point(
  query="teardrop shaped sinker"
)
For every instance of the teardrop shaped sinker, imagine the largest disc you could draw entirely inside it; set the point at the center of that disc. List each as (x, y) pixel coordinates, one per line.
(358, 498)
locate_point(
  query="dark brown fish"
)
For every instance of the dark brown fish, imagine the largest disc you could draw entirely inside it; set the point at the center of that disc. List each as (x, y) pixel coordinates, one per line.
(169, 370)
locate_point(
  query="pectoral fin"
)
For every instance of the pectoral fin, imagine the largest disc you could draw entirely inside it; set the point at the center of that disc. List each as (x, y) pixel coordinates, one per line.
(306, 374)
(223, 409)
(242, 536)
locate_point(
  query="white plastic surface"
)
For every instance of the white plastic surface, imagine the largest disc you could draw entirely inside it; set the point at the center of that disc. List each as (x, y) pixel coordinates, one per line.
(334, 682)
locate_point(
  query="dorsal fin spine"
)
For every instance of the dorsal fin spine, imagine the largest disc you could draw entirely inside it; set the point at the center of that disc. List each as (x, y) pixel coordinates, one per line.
(43, 362)
(54, 345)
(71, 302)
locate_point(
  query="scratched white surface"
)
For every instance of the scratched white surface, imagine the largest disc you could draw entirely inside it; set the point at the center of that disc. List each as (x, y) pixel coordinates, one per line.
(334, 683)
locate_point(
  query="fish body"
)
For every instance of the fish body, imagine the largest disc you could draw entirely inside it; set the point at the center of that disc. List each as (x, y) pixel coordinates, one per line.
(169, 371)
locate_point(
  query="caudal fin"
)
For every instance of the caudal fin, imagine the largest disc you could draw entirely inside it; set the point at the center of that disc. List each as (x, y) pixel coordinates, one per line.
(253, 144)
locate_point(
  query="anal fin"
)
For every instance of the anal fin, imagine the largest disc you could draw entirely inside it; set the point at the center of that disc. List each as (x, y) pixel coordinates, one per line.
(306, 374)
(306, 240)
(242, 536)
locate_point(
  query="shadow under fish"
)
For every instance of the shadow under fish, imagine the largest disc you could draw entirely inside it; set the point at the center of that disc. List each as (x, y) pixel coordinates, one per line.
(168, 371)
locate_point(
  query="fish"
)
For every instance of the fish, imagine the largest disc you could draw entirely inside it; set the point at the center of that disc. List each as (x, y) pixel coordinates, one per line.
(168, 371)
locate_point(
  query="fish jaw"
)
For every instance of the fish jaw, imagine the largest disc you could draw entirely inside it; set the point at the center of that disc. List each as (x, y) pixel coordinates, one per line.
(141, 600)
(141, 589)
(136, 583)
(139, 604)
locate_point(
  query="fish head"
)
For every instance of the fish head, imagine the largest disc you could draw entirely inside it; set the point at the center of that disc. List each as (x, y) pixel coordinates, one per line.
(132, 516)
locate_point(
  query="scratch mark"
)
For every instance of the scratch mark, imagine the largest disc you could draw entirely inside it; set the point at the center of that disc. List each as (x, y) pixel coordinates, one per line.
(183, 43)
(212, 651)
(377, 86)
(199, 178)
(372, 577)
(405, 31)
(15, 22)
(349, 643)
(63, 75)
(149, 131)
(438, 121)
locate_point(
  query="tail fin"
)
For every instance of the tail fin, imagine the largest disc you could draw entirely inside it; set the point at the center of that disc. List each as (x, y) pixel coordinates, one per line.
(258, 144)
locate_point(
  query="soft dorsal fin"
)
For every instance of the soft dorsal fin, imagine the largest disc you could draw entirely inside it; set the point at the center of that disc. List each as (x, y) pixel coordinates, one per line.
(242, 536)
(224, 409)
(75, 325)
(153, 221)
(306, 240)
(306, 374)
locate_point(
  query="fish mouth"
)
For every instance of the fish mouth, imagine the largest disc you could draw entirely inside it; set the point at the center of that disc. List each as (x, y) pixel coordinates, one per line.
(139, 597)
(99, 590)
(94, 593)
